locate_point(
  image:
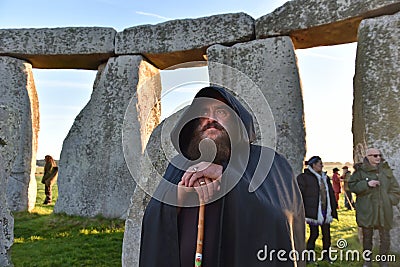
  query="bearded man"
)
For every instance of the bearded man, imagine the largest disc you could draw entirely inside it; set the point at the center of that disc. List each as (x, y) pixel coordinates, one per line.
(253, 206)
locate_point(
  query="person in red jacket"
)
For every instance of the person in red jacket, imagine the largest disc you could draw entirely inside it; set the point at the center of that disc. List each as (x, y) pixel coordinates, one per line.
(336, 185)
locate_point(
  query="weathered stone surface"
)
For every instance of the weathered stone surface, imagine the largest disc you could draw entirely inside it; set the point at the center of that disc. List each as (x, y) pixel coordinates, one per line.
(179, 41)
(18, 91)
(10, 126)
(93, 176)
(59, 48)
(376, 109)
(133, 228)
(321, 22)
(267, 66)
(6, 219)
(147, 168)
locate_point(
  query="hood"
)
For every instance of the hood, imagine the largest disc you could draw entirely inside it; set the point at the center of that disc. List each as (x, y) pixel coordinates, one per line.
(182, 132)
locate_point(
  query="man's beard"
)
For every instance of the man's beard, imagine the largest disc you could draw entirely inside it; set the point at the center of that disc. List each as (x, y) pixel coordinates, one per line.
(222, 143)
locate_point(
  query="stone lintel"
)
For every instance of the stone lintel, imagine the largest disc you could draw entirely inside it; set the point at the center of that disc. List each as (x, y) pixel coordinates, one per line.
(86, 62)
(59, 48)
(174, 59)
(327, 23)
(177, 41)
(341, 32)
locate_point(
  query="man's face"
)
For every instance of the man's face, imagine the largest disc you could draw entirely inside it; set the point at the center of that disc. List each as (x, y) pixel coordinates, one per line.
(215, 120)
(374, 156)
(318, 166)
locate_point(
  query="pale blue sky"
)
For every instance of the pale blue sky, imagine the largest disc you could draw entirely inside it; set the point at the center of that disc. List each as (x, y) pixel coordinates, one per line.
(326, 72)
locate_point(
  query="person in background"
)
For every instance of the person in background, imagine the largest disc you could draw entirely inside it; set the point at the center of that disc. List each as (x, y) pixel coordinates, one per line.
(377, 192)
(49, 177)
(348, 197)
(319, 203)
(336, 185)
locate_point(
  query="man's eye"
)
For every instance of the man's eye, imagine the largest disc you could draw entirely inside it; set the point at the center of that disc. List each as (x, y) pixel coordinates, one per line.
(221, 113)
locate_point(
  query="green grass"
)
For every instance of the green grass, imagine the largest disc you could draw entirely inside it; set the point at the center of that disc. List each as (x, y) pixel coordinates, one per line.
(42, 238)
(345, 229)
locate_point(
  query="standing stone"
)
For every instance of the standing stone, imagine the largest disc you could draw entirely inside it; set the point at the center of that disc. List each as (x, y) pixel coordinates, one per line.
(17, 90)
(93, 176)
(10, 129)
(6, 219)
(264, 74)
(376, 108)
(147, 164)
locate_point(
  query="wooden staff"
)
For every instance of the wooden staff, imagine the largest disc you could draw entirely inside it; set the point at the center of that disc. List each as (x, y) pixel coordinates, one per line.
(348, 200)
(200, 236)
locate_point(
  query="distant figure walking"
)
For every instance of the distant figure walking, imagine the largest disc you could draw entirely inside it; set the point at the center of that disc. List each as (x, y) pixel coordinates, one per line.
(49, 177)
(348, 197)
(336, 185)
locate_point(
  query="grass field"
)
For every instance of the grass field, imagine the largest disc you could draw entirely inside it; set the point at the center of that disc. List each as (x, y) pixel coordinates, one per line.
(43, 238)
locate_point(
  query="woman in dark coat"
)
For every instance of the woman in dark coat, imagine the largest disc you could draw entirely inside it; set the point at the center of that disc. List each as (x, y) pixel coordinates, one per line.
(49, 177)
(319, 202)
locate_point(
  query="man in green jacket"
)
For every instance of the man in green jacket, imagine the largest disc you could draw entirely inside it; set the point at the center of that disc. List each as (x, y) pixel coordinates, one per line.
(377, 191)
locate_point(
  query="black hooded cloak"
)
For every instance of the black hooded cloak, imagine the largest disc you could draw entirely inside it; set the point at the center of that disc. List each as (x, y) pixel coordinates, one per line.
(242, 228)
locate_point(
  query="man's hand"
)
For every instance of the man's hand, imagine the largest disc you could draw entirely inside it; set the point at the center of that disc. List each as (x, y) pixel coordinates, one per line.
(201, 170)
(205, 177)
(373, 183)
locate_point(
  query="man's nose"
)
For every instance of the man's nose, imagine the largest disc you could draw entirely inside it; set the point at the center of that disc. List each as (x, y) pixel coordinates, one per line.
(212, 116)
(207, 121)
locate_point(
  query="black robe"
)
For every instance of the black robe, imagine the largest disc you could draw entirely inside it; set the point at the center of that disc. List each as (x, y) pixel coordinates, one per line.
(244, 227)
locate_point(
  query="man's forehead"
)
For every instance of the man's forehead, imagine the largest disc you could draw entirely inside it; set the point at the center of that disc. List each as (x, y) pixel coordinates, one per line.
(211, 102)
(372, 151)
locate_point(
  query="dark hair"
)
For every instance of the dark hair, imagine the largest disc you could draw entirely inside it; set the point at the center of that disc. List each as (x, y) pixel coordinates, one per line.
(313, 160)
(50, 159)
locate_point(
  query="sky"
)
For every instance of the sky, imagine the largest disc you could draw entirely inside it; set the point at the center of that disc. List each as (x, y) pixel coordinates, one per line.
(326, 73)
